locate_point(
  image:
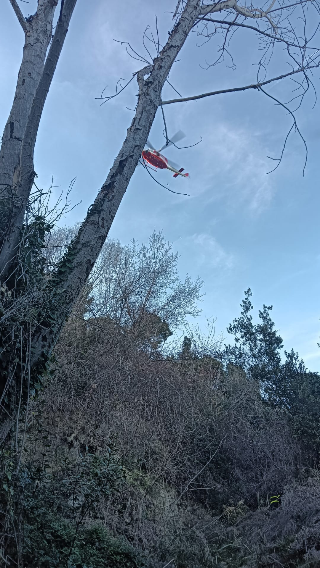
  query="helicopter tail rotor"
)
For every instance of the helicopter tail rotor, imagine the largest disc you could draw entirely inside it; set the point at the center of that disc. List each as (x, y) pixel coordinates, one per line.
(179, 172)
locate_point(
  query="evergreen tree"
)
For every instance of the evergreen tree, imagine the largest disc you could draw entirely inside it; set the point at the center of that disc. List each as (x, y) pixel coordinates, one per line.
(186, 348)
(289, 385)
(257, 346)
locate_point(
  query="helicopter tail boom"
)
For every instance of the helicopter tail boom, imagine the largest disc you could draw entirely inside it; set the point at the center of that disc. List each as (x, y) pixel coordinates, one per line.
(179, 172)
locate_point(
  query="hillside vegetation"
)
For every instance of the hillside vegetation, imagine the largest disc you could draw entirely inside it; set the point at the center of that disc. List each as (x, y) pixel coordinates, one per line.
(138, 455)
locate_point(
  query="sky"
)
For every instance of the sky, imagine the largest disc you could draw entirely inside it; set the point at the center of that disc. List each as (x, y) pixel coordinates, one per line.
(241, 227)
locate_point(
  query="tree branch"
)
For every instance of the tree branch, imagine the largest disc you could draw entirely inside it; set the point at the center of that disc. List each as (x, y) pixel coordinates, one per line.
(19, 15)
(218, 7)
(241, 25)
(245, 88)
(141, 74)
(247, 12)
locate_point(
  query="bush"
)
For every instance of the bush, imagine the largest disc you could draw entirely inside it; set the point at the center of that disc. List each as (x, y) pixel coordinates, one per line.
(59, 508)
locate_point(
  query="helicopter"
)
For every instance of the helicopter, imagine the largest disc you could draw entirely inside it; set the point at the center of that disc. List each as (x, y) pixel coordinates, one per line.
(156, 159)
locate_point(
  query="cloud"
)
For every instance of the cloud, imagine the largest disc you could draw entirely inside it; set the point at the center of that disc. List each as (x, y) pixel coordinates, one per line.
(235, 156)
(109, 57)
(312, 356)
(205, 250)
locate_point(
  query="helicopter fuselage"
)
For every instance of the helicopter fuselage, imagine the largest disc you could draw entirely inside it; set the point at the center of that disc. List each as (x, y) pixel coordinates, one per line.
(155, 159)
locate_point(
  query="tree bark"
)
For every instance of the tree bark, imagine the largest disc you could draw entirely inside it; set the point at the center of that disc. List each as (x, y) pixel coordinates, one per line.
(24, 174)
(37, 38)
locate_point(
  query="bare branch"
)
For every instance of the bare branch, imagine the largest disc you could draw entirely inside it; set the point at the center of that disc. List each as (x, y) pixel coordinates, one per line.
(200, 471)
(218, 7)
(295, 126)
(143, 163)
(245, 88)
(241, 25)
(106, 99)
(289, 6)
(19, 15)
(255, 13)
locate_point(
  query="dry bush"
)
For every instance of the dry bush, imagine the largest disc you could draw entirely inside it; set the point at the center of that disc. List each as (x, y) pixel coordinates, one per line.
(288, 536)
(166, 417)
(194, 440)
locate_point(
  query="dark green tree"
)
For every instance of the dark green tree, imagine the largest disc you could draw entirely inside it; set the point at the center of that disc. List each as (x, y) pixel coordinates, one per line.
(186, 348)
(297, 390)
(288, 386)
(257, 346)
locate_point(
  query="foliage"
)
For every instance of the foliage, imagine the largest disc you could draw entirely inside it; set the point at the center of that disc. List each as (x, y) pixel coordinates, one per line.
(19, 309)
(132, 460)
(54, 503)
(289, 385)
(257, 346)
(298, 391)
(135, 287)
(186, 352)
(23, 306)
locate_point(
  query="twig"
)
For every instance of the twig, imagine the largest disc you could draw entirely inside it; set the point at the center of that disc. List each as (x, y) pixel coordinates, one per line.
(254, 28)
(3, 558)
(294, 125)
(245, 88)
(172, 559)
(148, 170)
(198, 473)
(106, 99)
(19, 15)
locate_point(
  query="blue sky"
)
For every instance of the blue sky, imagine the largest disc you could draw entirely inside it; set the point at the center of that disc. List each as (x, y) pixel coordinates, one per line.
(240, 227)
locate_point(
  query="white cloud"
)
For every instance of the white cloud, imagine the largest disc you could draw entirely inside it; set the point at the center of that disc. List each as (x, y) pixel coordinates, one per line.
(236, 157)
(105, 26)
(312, 357)
(205, 250)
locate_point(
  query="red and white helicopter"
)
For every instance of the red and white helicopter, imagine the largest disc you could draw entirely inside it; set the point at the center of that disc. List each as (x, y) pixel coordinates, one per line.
(156, 159)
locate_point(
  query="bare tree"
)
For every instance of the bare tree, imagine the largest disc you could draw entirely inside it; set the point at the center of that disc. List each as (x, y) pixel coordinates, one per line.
(276, 24)
(132, 281)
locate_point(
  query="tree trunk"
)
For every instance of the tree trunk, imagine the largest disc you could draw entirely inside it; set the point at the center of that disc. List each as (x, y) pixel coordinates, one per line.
(74, 269)
(63, 289)
(38, 33)
(19, 166)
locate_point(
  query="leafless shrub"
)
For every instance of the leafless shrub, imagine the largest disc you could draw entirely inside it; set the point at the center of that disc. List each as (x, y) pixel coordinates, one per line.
(198, 444)
(288, 536)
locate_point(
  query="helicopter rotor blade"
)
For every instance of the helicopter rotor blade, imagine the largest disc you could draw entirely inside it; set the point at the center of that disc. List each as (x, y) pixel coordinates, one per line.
(173, 165)
(175, 138)
(151, 146)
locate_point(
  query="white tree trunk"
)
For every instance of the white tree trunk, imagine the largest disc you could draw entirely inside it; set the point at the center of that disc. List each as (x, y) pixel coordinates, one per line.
(19, 167)
(38, 33)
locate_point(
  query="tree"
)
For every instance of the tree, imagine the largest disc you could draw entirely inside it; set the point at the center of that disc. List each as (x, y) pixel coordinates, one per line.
(297, 391)
(288, 386)
(138, 288)
(130, 282)
(38, 336)
(257, 346)
(186, 348)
